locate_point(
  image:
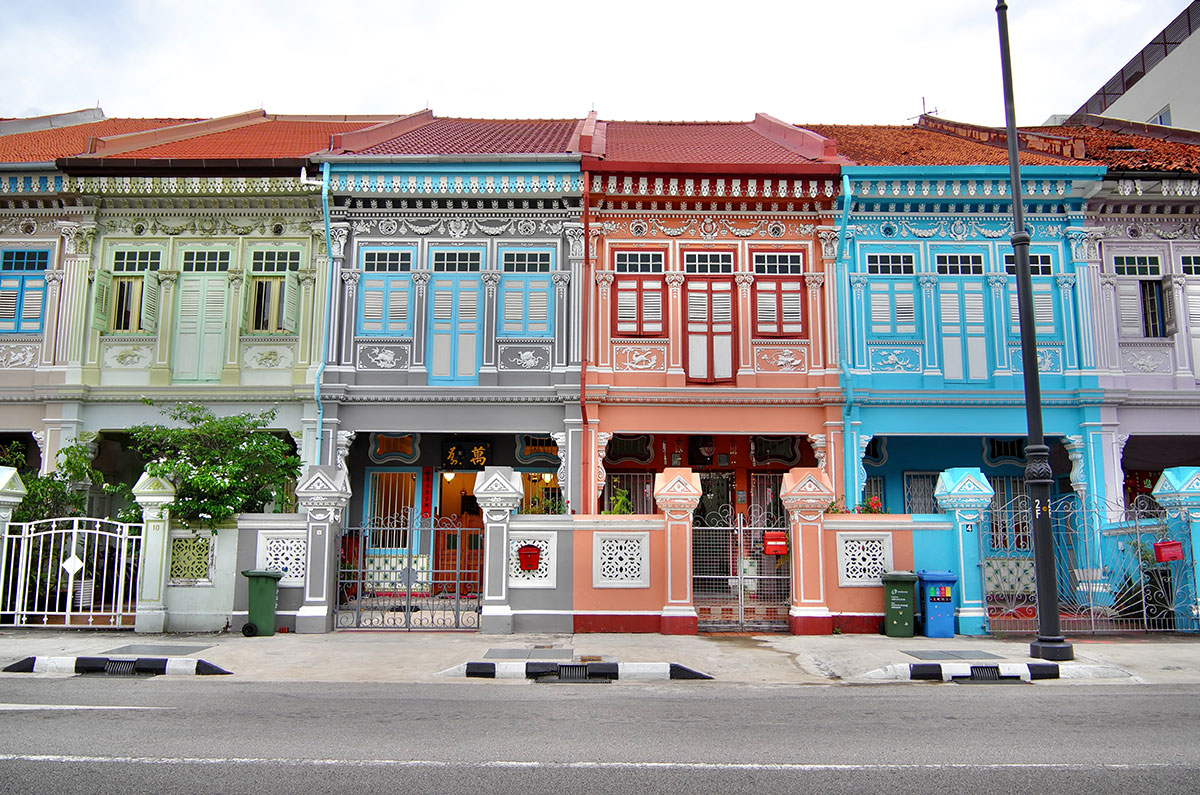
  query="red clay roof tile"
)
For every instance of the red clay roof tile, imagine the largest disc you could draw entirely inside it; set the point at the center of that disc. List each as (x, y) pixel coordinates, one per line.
(895, 145)
(43, 146)
(694, 143)
(1123, 151)
(481, 137)
(272, 138)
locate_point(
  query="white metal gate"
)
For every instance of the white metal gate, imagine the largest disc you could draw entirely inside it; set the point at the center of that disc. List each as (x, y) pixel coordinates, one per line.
(72, 572)
(1110, 575)
(735, 586)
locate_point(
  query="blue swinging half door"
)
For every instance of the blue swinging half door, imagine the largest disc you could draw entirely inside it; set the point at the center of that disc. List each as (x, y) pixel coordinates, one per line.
(455, 316)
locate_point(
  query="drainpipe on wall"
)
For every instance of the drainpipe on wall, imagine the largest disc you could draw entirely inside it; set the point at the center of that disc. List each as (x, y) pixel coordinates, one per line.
(843, 334)
(584, 457)
(324, 183)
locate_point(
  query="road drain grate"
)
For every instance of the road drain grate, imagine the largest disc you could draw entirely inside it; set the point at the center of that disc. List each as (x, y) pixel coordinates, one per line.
(120, 667)
(569, 672)
(986, 674)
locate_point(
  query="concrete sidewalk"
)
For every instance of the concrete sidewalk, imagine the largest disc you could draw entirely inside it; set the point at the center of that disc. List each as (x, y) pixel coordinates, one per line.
(372, 656)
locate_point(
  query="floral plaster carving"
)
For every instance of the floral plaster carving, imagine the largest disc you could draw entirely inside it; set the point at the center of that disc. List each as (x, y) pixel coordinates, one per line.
(382, 357)
(524, 357)
(896, 360)
(1145, 361)
(639, 358)
(129, 357)
(781, 360)
(18, 356)
(267, 357)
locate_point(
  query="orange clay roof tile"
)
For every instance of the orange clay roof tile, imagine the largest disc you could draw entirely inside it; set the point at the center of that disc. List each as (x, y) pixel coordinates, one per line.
(43, 146)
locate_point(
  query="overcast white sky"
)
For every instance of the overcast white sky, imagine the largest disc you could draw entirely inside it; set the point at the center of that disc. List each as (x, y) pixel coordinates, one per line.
(853, 61)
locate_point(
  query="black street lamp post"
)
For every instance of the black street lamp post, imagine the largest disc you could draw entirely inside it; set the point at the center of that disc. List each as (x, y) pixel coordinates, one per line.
(1050, 643)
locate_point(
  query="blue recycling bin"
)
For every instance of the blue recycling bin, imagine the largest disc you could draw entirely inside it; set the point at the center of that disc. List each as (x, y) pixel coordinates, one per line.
(937, 602)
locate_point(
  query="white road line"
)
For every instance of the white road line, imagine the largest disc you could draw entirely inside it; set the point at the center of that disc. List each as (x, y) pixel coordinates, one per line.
(37, 707)
(703, 766)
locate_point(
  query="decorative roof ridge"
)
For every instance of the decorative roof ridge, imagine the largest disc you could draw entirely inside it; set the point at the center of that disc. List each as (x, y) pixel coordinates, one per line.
(1060, 146)
(585, 137)
(129, 142)
(681, 123)
(1163, 133)
(333, 118)
(50, 121)
(799, 140)
(358, 140)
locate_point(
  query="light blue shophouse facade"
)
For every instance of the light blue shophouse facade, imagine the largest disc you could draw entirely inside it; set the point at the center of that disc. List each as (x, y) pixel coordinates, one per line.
(929, 337)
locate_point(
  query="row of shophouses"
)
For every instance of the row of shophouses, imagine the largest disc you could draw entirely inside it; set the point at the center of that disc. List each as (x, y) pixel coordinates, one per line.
(633, 346)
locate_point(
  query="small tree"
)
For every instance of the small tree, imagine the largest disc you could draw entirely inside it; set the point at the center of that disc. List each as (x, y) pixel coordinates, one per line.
(63, 492)
(220, 466)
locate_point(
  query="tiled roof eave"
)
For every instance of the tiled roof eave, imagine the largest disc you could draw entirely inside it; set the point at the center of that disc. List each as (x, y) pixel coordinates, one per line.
(733, 169)
(338, 159)
(167, 166)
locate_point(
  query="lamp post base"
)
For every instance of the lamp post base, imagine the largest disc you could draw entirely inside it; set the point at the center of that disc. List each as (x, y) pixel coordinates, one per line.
(1054, 649)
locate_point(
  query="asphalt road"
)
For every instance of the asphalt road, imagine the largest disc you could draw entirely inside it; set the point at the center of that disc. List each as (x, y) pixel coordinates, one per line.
(170, 735)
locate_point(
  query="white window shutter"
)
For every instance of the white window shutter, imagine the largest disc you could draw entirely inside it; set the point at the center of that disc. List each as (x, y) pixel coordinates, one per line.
(10, 295)
(1129, 308)
(792, 308)
(372, 304)
(148, 316)
(290, 321)
(766, 315)
(101, 299)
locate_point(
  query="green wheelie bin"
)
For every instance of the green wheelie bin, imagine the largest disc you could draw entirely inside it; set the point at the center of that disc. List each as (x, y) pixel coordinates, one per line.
(264, 595)
(899, 603)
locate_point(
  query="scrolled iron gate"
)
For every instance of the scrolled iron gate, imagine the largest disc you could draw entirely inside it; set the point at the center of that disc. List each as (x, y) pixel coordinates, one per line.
(1110, 578)
(735, 586)
(70, 572)
(410, 572)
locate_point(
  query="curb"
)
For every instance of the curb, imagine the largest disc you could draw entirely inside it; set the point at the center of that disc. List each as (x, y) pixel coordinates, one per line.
(1000, 672)
(574, 672)
(170, 666)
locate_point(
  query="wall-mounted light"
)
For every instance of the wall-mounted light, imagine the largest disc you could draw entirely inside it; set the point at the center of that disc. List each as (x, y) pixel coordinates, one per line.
(448, 475)
(547, 477)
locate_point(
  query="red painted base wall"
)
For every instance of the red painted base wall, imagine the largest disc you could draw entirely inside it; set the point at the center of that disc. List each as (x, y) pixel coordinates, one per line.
(618, 623)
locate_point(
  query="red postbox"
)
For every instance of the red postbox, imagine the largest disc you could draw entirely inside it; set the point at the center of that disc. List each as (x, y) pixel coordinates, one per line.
(1168, 550)
(774, 542)
(530, 557)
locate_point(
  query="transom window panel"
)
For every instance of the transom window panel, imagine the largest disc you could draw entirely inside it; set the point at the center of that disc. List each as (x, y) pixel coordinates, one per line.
(1190, 265)
(893, 307)
(22, 290)
(205, 261)
(527, 261)
(778, 263)
(891, 264)
(708, 262)
(638, 308)
(387, 261)
(457, 261)
(1137, 266)
(274, 260)
(638, 262)
(1039, 265)
(136, 261)
(778, 307)
(959, 264)
(710, 330)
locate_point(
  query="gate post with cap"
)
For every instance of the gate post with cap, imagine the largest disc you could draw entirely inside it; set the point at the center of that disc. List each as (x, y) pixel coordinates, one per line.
(323, 494)
(963, 493)
(155, 497)
(677, 492)
(498, 492)
(806, 494)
